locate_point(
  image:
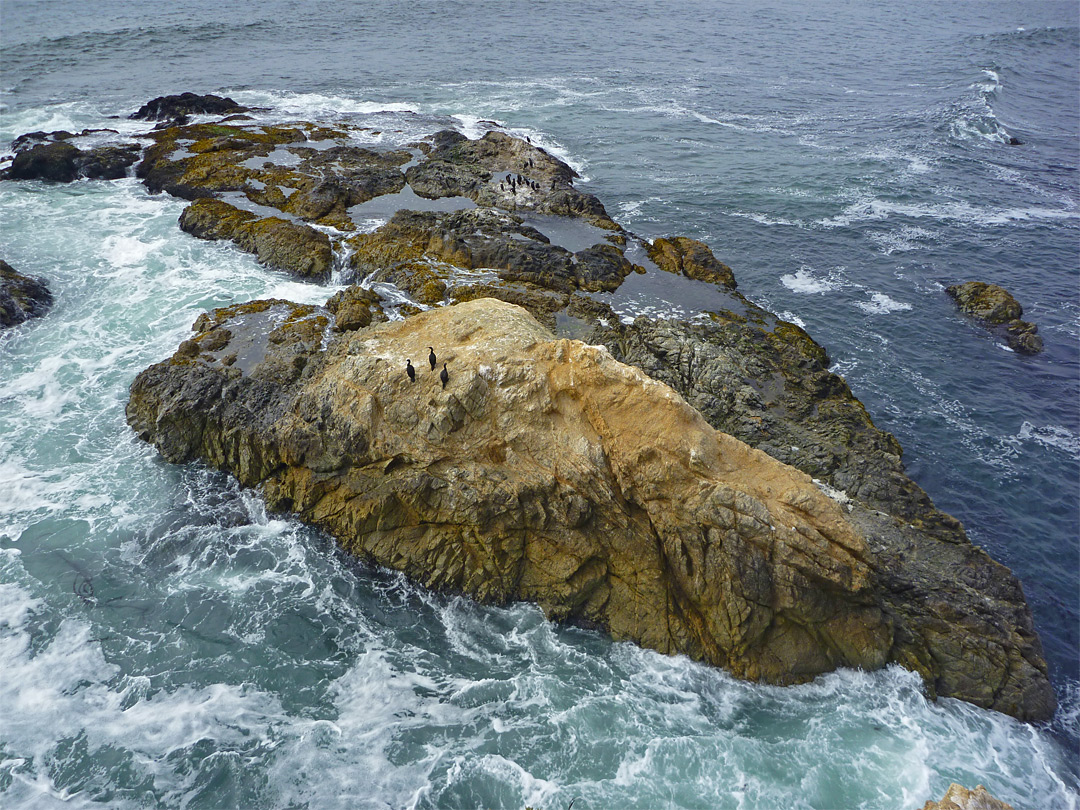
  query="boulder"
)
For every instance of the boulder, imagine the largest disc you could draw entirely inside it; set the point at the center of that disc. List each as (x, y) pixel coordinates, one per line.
(691, 258)
(164, 108)
(354, 308)
(21, 297)
(56, 161)
(994, 306)
(958, 797)
(547, 470)
(296, 248)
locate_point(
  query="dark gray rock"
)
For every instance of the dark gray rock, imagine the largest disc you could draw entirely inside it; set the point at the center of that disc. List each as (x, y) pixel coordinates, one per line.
(21, 297)
(164, 108)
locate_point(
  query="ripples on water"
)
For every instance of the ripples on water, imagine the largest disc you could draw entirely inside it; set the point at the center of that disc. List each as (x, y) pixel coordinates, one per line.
(164, 641)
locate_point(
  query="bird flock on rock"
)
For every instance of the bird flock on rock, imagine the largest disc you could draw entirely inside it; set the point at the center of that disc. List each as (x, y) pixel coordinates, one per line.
(444, 375)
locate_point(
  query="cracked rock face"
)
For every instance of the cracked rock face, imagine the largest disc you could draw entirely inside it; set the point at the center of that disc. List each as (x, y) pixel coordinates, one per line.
(546, 470)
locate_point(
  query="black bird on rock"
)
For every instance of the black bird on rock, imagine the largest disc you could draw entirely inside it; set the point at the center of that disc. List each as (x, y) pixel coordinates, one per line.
(431, 357)
(410, 370)
(444, 376)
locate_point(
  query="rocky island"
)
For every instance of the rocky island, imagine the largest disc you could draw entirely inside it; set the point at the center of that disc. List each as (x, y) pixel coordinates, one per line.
(701, 485)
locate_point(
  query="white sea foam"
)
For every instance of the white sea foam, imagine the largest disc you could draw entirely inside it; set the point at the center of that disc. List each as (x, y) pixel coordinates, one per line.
(314, 106)
(766, 219)
(914, 163)
(805, 281)
(1054, 436)
(901, 240)
(791, 317)
(881, 304)
(867, 210)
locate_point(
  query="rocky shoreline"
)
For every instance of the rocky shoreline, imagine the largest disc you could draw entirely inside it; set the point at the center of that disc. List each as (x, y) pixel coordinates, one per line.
(544, 476)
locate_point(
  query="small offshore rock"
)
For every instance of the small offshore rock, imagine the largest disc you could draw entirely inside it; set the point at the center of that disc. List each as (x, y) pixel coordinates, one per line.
(957, 797)
(164, 108)
(21, 297)
(56, 161)
(354, 308)
(996, 307)
(691, 258)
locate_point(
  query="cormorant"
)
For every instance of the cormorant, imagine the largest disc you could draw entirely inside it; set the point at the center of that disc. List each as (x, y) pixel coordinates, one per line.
(444, 376)
(431, 357)
(410, 370)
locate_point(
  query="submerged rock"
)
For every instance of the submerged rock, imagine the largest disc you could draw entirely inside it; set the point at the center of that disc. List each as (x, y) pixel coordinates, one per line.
(21, 297)
(546, 470)
(995, 307)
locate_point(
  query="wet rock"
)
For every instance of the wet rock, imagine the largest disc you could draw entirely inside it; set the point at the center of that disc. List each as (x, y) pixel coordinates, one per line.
(202, 160)
(354, 308)
(56, 162)
(484, 238)
(21, 297)
(995, 307)
(60, 162)
(482, 170)
(691, 258)
(641, 518)
(958, 797)
(180, 106)
(295, 248)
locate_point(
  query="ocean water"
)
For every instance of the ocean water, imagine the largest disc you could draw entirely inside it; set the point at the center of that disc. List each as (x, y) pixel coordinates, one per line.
(164, 642)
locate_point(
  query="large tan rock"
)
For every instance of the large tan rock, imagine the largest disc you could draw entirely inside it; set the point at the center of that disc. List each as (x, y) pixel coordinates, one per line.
(546, 470)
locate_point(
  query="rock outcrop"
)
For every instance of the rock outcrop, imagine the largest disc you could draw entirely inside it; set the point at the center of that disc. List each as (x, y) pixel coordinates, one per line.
(994, 306)
(50, 157)
(484, 238)
(21, 297)
(291, 246)
(501, 171)
(546, 470)
(179, 107)
(958, 797)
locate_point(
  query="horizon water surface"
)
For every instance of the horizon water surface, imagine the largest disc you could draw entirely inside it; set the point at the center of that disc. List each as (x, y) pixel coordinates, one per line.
(165, 642)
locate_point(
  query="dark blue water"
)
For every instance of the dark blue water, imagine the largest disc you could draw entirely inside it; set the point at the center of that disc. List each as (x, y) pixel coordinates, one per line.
(848, 160)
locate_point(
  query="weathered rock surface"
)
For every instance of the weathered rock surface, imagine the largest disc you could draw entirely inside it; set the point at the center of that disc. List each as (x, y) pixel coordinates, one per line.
(691, 258)
(749, 374)
(501, 171)
(958, 797)
(297, 248)
(21, 297)
(57, 161)
(180, 106)
(546, 470)
(483, 238)
(995, 307)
